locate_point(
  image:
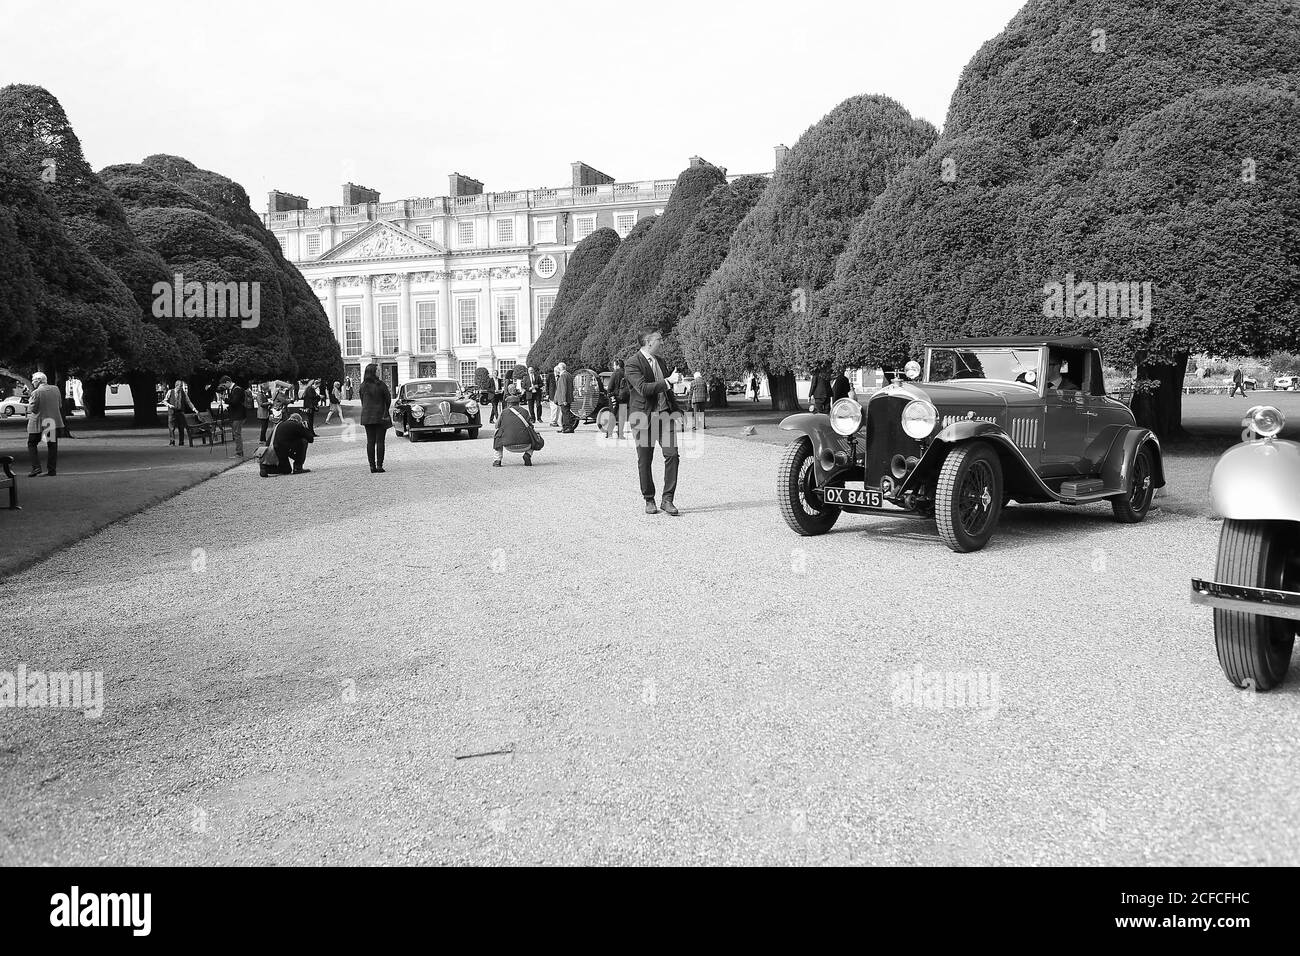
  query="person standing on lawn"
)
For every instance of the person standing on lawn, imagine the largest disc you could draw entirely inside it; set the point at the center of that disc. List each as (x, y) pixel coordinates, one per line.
(263, 409)
(311, 402)
(179, 405)
(44, 419)
(699, 399)
(376, 417)
(236, 411)
(1238, 384)
(564, 399)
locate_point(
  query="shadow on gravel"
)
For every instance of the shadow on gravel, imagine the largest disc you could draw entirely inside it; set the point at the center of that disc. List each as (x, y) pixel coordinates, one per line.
(735, 506)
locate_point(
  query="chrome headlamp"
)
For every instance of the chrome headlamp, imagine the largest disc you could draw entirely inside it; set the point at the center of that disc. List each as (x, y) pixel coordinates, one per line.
(919, 419)
(846, 417)
(1264, 420)
(471, 407)
(417, 411)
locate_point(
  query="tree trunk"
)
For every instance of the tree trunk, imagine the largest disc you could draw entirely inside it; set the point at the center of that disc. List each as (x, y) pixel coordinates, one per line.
(1161, 409)
(144, 398)
(92, 396)
(717, 393)
(785, 395)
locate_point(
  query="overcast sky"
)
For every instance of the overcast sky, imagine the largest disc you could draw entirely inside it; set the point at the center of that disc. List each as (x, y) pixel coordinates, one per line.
(305, 96)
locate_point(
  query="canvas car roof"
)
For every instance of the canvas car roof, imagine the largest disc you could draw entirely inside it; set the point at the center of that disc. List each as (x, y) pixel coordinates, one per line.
(1020, 341)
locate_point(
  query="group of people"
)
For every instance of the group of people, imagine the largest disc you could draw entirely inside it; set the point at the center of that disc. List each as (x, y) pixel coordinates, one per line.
(825, 389)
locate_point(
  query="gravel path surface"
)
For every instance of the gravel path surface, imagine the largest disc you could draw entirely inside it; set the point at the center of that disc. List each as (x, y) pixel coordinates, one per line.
(452, 663)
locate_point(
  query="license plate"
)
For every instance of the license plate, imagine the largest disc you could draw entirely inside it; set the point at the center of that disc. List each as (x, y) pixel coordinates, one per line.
(852, 496)
(446, 429)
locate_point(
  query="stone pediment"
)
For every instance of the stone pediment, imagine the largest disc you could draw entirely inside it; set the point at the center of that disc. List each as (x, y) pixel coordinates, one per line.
(383, 240)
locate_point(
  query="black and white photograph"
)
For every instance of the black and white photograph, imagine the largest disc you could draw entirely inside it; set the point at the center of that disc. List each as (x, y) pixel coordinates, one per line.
(684, 434)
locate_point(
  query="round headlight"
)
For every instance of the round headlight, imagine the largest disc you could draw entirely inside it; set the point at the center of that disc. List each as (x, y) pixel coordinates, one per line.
(919, 419)
(846, 416)
(471, 407)
(417, 411)
(1265, 420)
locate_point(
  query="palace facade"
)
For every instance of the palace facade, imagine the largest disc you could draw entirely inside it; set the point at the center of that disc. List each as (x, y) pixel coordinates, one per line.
(443, 286)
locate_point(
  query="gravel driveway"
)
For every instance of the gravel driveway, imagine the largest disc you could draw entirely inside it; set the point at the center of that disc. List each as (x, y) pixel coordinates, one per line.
(451, 663)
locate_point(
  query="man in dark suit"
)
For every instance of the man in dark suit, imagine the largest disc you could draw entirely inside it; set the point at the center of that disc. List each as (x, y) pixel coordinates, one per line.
(821, 390)
(841, 387)
(496, 388)
(564, 398)
(652, 414)
(533, 385)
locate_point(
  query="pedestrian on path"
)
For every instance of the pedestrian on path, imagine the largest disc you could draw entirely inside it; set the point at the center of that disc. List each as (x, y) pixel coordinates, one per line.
(336, 404)
(263, 409)
(564, 399)
(699, 399)
(652, 414)
(617, 400)
(179, 405)
(376, 415)
(753, 385)
(311, 402)
(496, 392)
(1237, 384)
(515, 433)
(551, 380)
(44, 419)
(236, 412)
(533, 385)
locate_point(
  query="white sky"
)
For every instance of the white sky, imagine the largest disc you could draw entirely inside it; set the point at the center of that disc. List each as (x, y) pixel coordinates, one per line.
(304, 96)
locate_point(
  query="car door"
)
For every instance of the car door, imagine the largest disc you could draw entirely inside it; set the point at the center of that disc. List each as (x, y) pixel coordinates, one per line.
(1065, 426)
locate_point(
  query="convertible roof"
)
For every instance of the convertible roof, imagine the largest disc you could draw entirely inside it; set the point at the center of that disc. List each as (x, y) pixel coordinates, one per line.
(1059, 341)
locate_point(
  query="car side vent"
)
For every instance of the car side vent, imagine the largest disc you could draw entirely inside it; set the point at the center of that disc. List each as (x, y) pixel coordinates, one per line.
(1024, 431)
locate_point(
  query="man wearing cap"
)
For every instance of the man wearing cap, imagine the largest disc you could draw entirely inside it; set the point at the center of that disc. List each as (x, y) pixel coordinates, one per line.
(289, 444)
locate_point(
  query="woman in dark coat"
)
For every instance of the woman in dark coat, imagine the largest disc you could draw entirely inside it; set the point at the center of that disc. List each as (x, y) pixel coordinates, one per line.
(514, 432)
(376, 416)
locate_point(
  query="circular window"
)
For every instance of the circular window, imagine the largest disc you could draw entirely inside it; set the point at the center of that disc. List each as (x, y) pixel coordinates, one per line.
(546, 266)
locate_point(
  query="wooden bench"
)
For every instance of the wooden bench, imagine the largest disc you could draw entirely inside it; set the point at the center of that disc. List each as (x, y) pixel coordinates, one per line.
(10, 482)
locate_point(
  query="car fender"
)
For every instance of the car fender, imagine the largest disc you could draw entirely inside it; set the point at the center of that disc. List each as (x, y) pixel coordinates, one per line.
(1128, 441)
(830, 450)
(1257, 481)
(971, 429)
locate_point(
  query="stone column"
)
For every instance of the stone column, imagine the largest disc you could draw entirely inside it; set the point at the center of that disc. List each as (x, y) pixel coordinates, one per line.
(368, 338)
(446, 357)
(332, 310)
(405, 370)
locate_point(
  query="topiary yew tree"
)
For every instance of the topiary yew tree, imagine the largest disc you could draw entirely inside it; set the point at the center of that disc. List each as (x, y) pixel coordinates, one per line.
(629, 306)
(588, 261)
(1114, 141)
(742, 318)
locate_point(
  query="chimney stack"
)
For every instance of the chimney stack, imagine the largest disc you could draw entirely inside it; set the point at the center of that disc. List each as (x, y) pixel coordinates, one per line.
(584, 175)
(459, 185)
(354, 195)
(284, 202)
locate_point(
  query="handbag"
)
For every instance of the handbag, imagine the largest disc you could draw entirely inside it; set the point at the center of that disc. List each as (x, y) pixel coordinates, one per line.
(538, 441)
(266, 455)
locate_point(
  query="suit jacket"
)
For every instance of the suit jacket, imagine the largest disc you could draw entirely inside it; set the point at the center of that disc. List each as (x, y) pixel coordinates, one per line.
(550, 385)
(564, 388)
(643, 390)
(821, 386)
(618, 386)
(840, 388)
(45, 404)
(532, 383)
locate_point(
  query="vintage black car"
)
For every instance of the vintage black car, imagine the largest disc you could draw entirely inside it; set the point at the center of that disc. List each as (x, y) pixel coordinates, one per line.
(983, 423)
(429, 406)
(1256, 588)
(591, 397)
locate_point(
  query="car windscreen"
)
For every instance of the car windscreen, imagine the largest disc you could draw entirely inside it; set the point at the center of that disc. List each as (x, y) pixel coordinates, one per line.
(430, 390)
(993, 364)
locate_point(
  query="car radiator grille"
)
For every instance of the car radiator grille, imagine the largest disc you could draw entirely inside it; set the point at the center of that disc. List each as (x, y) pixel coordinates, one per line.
(455, 418)
(885, 437)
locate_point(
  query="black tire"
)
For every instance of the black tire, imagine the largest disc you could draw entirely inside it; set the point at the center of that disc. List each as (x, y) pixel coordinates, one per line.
(968, 496)
(796, 485)
(472, 432)
(1132, 506)
(1258, 554)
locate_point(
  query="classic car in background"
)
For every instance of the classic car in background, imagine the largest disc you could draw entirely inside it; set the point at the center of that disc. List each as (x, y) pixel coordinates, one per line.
(1286, 383)
(989, 421)
(429, 406)
(1256, 588)
(735, 388)
(13, 405)
(591, 397)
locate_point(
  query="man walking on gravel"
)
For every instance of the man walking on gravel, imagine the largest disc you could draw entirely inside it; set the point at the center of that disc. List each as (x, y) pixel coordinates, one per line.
(652, 415)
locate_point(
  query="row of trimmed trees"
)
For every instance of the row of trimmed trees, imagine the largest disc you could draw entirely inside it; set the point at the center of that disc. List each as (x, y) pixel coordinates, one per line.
(83, 253)
(1099, 140)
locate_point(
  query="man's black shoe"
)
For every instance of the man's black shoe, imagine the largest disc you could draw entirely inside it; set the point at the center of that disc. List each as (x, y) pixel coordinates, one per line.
(496, 464)
(302, 471)
(34, 472)
(650, 508)
(669, 508)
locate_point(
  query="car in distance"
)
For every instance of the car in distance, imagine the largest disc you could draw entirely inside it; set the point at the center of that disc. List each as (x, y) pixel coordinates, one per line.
(1287, 383)
(13, 405)
(982, 423)
(428, 406)
(735, 388)
(1255, 593)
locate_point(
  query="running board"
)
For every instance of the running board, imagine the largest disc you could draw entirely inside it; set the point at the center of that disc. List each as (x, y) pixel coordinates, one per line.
(1235, 597)
(1089, 498)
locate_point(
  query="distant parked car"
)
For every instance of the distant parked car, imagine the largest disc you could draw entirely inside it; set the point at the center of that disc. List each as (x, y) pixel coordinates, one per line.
(1287, 383)
(735, 388)
(13, 405)
(433, 405)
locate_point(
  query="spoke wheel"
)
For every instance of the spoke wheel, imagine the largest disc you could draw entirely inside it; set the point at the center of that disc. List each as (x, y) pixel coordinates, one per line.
(1132, 506)
(968, 496)
(796, 487)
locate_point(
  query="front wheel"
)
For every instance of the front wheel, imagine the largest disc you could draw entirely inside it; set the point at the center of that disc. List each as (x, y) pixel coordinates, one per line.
(1132, 506)
(796, 488)
(1257, 554)
(968, 496)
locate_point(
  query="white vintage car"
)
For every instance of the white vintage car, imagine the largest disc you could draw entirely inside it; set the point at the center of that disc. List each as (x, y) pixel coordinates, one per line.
(11, 406)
